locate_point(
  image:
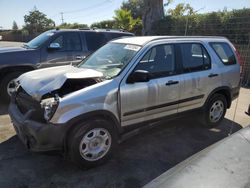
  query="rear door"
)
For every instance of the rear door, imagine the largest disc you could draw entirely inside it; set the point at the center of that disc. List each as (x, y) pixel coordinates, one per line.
(198, 77)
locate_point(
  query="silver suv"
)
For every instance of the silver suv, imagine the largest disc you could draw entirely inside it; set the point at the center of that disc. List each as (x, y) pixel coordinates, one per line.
(86, 110)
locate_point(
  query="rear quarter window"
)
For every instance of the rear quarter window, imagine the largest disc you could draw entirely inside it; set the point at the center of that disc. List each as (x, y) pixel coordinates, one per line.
(224, 52)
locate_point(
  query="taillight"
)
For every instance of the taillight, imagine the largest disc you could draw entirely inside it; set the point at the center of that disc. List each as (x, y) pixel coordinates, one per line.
(239, 60)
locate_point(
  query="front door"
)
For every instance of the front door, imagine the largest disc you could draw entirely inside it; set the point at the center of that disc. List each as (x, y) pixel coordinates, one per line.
(142, 101)
(70, 51)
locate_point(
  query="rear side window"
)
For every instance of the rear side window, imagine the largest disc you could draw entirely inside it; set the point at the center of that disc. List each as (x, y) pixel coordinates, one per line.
(224, 52)
(95, 40)
(194, 57)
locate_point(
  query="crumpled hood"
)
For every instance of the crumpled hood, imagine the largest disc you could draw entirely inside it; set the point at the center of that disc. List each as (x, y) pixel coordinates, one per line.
(39, 82)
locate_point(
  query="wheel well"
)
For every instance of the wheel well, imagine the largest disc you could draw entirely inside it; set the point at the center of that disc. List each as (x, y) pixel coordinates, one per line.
(92, 115)
(6, 70)
(225, 92)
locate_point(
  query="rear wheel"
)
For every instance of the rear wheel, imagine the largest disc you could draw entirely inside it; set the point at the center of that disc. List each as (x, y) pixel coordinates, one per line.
(91, 143)
(215, 110)
(7, 85)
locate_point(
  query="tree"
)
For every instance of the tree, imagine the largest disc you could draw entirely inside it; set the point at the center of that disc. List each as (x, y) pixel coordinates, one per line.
(14, 26)
(153, 12)
(135, 6)
(37, 22)
(181, 9)
(73, 26)
(124, 20)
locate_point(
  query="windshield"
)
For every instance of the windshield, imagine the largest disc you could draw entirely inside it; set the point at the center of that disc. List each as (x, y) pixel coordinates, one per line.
(111, 58)
(39, 40)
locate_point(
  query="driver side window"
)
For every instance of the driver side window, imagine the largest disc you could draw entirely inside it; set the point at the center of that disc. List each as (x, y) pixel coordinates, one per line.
(60, 41)
(159, 61)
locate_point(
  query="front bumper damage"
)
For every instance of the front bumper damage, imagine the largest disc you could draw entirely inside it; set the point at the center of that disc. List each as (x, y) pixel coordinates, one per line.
(35, 135)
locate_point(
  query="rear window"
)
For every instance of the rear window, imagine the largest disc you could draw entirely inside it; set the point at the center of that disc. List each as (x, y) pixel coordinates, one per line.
(194, 57)
(224, 52)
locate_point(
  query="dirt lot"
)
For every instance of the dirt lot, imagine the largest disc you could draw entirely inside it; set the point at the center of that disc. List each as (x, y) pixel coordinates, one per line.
(136, 162)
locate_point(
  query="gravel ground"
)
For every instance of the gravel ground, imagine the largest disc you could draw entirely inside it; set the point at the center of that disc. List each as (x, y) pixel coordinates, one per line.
(136, 161)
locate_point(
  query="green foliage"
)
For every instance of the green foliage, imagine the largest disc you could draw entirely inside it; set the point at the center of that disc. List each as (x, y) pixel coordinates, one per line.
(37, 22)
(106, 24)
(14, 26)
(135, 6)
(72, 26)
(181, 9)
(234, 25)
(124, 20)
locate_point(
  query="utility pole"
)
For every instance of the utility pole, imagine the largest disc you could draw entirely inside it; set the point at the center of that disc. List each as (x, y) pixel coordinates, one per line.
(62, 17)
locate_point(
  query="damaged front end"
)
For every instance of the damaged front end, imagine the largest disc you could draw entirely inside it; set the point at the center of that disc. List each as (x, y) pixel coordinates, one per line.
(36, 100)
(50, 101)
(41, 91)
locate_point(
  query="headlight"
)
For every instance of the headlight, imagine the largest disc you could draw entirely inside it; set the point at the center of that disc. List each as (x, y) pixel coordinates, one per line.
(49, 106)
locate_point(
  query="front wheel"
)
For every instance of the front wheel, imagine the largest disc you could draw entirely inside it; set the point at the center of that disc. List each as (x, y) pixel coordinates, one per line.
(7, 86)
(215, 110)
(92, 143)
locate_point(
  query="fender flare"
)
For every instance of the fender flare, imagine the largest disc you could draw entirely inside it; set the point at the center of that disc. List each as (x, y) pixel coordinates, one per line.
(225, 90)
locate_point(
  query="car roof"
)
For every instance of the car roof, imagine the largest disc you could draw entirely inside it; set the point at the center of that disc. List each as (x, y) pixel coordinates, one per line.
(146, 39)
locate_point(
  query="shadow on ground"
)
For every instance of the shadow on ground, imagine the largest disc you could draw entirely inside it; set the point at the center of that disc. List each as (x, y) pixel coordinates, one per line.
(3, 108)
(136, 162)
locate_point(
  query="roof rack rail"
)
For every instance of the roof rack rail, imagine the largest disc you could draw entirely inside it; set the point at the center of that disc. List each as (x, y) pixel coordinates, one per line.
(108, 29)
(179, 37)
(84, 28)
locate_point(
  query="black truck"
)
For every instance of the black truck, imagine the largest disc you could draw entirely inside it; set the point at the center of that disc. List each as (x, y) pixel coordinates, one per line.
(51, 48)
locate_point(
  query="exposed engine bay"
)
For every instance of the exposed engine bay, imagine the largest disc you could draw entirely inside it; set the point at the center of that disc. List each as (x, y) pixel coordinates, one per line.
(72, 85)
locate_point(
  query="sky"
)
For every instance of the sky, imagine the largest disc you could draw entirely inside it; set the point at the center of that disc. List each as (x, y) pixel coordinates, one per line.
(88, 12)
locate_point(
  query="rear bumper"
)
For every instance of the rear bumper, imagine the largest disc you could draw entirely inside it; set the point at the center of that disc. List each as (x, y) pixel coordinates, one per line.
(35, 135)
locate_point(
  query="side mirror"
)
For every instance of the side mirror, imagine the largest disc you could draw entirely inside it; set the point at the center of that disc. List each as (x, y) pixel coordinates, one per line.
(54, 46)
(139, 76)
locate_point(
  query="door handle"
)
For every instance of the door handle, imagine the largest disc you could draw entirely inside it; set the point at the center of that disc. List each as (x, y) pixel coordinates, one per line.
(212, 75)
(79, 57)
(171, 82)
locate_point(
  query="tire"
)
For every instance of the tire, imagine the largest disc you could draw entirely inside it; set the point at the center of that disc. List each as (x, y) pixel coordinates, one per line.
(5, 83)
(215, 111)
(93, 152)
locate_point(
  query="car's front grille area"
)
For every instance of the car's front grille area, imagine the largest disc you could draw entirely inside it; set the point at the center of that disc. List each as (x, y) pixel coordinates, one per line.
(25, 103)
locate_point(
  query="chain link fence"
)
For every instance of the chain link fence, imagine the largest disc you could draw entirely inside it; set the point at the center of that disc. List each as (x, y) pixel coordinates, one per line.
(236, 29)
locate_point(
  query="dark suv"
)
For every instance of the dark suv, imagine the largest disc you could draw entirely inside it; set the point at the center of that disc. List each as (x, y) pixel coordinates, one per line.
(51, 48)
